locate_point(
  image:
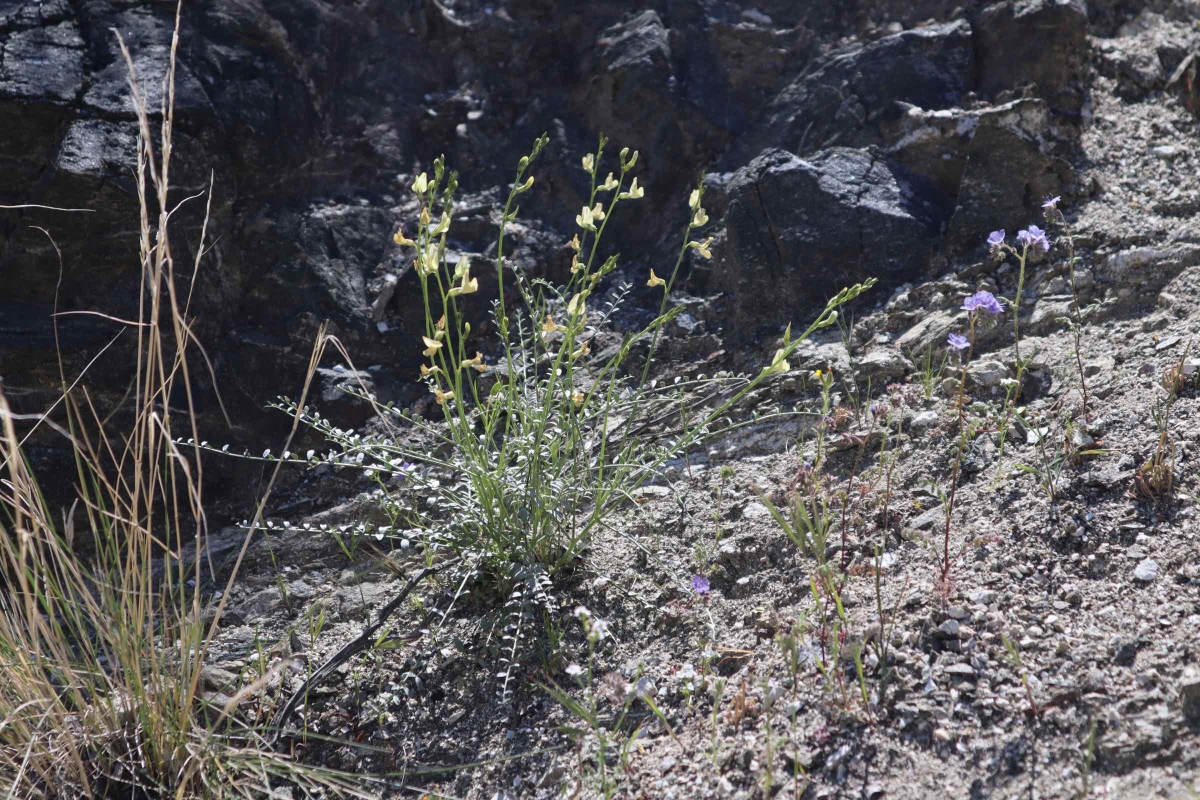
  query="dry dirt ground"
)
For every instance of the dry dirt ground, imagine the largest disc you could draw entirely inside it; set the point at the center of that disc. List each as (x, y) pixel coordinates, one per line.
(1097, 590)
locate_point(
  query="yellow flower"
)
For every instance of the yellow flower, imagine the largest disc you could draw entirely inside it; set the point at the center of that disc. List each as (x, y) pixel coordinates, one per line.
(694, 199)
(575, 243)
(700, 218)
(440, 324)
(468, 284)
(421, 184)
(550, 326)
(588, 218)
(526, 186)
(576, 304)
(577, 398)
(400, 239)
(441, 396)
(427, 371)
(589, 163)
(655, 280)
(443, 225)
(427, 264)
(703, 247)
(431, 346)
(635, 192)
(424, 218)
(475, 363)
(609, 184)
(583, 350)
(779, 364)
(576, 264)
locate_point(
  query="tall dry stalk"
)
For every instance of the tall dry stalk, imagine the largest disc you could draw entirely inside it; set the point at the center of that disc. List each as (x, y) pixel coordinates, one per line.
(100, 691)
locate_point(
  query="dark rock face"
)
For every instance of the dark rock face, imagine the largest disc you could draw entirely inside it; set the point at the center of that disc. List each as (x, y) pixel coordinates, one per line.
(846, 140)
(1042, 43)
(841, 99)
(800, 230)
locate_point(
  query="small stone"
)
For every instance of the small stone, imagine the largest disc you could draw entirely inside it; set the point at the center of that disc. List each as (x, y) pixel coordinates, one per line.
(982, 596)
(1189, 693)
(882, 365)
(986, 373)
(1102, 365)
(1165, 151)
(667, 764)
(949, 629)
(962, 671)
(927, 519)
(1125, 653)
(923, 421)
(957, 612)
(1146, 571)
(755, 511)
(1166, 343)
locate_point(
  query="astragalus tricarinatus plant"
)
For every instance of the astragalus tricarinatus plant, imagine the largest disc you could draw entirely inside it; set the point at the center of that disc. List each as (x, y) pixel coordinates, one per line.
(535, 450)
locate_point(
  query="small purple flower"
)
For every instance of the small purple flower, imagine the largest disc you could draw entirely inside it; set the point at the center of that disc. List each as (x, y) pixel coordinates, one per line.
(879, 408)
(1033, 236)
(983, 301)
(996, 238)
(957, 341)
(1051, 203)
(700, 584)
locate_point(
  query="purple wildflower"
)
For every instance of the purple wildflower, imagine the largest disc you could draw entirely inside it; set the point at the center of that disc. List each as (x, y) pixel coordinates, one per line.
(996, 238)
(879, 408)
(1034, 236)
(1051, 203)
(957, 341)
(700, 584)
(983, 301)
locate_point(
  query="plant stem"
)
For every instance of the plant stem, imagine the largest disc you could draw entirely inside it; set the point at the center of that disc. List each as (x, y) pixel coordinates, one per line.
(960, 401)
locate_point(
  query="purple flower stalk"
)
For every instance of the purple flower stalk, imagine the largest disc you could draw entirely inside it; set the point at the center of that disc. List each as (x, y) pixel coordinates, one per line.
(957, 341)
(1033, 236)
(983, 301)
(700, 584)
(996, 238)
(1051, 203)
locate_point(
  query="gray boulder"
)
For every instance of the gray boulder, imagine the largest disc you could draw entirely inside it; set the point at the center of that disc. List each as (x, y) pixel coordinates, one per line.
(1034, 43)
(797, 230)
(842, 98)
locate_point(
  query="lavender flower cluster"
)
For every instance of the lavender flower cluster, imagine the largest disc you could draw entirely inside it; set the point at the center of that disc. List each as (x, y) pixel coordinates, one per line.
(1032, 237)
(982, 302)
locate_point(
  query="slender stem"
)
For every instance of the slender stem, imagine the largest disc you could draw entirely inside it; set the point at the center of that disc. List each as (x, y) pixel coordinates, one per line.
(1075, 307)
(1017, 309)
(960, 400)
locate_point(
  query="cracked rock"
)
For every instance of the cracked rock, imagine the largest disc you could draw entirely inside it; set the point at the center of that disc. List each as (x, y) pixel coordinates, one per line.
(789, 216)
